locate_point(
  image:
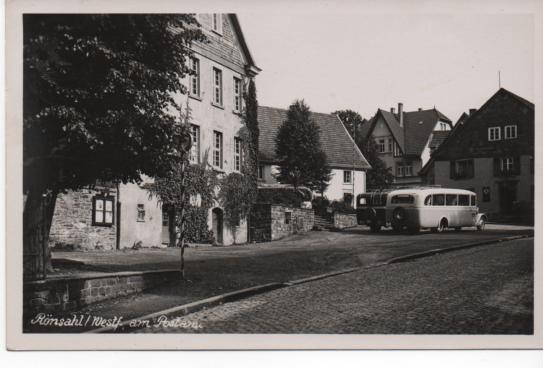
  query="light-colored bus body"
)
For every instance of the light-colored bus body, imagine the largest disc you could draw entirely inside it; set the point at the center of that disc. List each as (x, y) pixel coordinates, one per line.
(434, 208)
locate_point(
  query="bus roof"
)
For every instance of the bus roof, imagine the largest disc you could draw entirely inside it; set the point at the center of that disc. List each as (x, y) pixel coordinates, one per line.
(426, 191)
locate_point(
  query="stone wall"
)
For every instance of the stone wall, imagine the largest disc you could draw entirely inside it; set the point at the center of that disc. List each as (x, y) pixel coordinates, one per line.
(273, 222)
(72, 222)
(63, 294)
(344, 220)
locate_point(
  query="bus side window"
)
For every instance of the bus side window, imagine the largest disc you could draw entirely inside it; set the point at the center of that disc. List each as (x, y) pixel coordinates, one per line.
(451, 199)
(428, 200)
(473, 201)
(438, 200)
(463, 200)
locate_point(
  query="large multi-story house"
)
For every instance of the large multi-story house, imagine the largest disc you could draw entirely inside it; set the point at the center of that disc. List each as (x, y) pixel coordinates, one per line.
(491, 152)
(119, 217)
(405, 139)
(347, 163)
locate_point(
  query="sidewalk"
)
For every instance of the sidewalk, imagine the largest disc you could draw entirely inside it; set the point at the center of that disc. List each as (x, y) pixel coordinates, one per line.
(216, 270)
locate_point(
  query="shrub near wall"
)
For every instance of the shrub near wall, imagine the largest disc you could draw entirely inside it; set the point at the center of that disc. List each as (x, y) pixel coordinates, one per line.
(196, 229)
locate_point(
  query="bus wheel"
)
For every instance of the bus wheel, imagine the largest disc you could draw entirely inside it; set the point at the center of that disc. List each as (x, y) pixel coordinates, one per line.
(442, 225)
(481, 225)
(374, 227)
(458, 228)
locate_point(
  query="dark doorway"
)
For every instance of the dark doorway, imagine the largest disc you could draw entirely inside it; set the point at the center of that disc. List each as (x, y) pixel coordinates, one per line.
(508, 195)
(217, 224)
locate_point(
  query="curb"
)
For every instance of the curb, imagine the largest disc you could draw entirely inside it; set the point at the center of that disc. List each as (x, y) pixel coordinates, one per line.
(199, 305)
(436, 251)
(196, 306)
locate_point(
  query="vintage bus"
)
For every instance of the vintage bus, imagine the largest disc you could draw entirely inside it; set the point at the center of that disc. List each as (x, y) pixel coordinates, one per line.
(417, 208)
(433, 208)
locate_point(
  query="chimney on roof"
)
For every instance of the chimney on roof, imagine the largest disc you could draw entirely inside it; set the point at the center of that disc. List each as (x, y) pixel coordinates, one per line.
(400, 113)
(392, 110)
(420, 108)
(472, 111)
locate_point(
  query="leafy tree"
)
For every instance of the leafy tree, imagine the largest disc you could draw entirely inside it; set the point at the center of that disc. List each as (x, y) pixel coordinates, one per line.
(298, 149)
(98, 106)
(350, 120)
(379, 176)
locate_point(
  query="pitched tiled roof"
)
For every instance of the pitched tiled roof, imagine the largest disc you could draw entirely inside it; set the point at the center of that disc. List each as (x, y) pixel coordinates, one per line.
(438, 137)
(418, 125)
(336, 141)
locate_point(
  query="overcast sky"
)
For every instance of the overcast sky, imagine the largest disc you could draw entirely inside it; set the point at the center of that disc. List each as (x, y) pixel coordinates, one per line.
(338, 61)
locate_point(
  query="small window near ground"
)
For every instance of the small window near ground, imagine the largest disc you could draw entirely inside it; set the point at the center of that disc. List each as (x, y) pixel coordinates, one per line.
(141, 213)
(288, 217)
(102, 211)
(486, 194)
(463, 200)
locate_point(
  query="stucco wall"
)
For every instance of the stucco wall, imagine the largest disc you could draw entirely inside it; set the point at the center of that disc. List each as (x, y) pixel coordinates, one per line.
(336, 188)
(132, 231)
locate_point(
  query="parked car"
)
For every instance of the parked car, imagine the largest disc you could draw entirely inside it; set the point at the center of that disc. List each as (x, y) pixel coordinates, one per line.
(424, 207)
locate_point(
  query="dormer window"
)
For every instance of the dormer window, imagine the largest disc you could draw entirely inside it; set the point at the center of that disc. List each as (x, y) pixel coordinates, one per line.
(510, 132)
(217, 23)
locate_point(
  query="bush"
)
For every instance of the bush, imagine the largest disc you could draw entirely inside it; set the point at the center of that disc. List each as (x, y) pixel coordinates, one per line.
(343, 207)
(286, 197)
(320, 206)
(196, 230)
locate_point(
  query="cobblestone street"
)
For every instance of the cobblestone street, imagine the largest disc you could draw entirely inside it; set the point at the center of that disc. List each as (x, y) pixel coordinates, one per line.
(485, 290)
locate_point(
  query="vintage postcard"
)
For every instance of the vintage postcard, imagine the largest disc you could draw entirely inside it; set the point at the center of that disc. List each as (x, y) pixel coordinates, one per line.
(235, 175)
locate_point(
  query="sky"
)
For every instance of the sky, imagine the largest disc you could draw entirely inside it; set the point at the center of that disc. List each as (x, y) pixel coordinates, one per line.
(365, 62)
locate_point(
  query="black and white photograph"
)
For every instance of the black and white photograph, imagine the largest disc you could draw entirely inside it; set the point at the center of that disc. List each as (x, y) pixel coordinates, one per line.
(265, 173)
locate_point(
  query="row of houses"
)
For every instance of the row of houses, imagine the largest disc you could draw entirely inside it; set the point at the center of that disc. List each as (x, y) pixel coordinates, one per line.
(489, 150)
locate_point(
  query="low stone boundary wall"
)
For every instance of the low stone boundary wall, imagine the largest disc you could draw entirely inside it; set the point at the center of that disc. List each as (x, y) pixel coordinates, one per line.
(344, 220)
(273, 222)
(61, 294)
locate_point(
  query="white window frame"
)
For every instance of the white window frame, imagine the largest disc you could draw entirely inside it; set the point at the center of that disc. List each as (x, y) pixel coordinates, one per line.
(237, 154)
(396, 150)
(217, 87)
(216, 23)
(494, 134)
(404, 171)
(140, 217)
(347, 177)
(217, 149)
(508, 131)
(194, 155)
(194, 88)
(237, 94)
(507, 164)
(381, 145)
(103, 210)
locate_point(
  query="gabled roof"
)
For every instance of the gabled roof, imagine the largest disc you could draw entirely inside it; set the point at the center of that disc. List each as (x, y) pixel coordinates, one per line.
(465, 121)
(418, 125)
(336, 141)
(241, 38)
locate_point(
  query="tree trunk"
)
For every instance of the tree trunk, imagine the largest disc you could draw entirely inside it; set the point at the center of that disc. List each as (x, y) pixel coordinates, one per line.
(172, 226)
(37, 219)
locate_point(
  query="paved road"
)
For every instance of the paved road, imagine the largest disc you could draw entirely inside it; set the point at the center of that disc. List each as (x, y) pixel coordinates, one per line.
(484, 290)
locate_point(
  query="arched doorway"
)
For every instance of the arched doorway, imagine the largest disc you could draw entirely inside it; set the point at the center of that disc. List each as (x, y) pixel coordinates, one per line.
(217, 224)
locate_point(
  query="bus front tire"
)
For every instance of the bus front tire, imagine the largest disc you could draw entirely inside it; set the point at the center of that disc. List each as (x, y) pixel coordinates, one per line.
(442, 226)
(481, 225)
